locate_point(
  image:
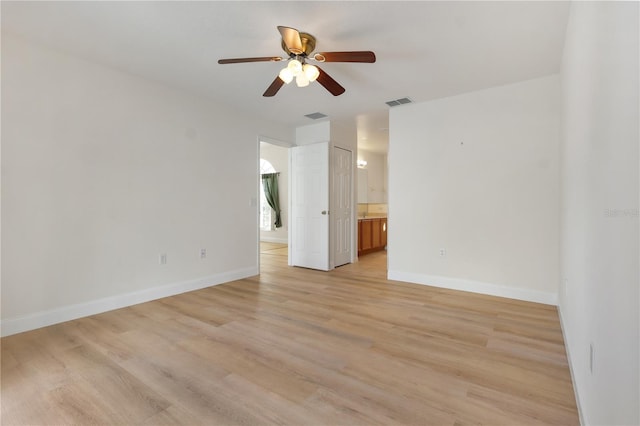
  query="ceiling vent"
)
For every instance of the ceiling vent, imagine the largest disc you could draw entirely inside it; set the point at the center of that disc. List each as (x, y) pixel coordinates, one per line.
(316, 115)
(397, 102)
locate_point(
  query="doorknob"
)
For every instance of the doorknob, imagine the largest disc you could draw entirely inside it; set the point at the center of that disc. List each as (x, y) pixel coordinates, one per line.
(325, 212)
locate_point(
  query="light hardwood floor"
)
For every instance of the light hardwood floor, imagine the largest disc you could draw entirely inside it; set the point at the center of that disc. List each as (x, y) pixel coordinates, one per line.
(299, 347)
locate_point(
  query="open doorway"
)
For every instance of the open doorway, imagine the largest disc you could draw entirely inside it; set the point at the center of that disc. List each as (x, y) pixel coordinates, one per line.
(372, 199)
(337, 243)
(273, 207)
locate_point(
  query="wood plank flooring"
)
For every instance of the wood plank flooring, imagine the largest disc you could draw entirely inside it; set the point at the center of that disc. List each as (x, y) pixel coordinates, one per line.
(299, 347)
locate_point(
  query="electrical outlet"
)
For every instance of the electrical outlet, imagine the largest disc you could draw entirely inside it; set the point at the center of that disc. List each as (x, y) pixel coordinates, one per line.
(203, 253)
(443, 252)
(163, 258)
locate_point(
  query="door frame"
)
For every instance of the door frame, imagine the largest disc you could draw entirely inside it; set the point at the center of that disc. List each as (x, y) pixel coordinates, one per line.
(255, 201)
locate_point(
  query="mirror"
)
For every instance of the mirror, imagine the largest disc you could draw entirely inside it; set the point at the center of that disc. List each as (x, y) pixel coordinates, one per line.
(363, 186)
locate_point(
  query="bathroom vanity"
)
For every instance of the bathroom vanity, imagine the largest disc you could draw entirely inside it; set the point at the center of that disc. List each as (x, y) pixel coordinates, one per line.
(372, 234)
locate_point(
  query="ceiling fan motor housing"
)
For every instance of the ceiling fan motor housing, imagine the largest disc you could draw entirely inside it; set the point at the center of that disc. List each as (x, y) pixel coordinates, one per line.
(308, 45)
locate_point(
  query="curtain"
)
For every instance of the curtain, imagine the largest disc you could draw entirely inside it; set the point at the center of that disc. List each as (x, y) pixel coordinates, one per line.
(270, 184)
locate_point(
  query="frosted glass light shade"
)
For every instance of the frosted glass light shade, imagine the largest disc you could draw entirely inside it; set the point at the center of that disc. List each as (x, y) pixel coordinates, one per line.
(311, 72)
(286, 75)
(295, 66)
(302, 80)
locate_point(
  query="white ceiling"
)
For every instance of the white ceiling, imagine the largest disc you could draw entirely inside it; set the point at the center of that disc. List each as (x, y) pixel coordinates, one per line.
(425, 50)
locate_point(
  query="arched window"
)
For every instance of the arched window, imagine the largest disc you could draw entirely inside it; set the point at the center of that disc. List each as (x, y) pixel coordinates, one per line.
(266, 212)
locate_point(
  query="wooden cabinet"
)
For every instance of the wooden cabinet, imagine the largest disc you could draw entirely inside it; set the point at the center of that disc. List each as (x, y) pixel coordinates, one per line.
(372, 235)
(365, 230)
(375, 233)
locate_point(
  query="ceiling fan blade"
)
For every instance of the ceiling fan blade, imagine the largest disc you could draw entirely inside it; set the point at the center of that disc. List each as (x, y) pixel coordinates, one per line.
(291, 39)
(356, 56)
(329, 83)
(259, 59)
(273, 89)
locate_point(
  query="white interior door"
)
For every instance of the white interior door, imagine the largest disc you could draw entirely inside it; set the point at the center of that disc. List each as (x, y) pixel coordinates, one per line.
(310, 206)
(341, 206)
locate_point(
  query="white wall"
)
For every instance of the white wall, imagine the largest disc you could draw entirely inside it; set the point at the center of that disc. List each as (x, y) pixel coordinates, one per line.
(101, 172)
(279, 158)
(344, 134)
(478, 175)
(599, 295)
(313, 133)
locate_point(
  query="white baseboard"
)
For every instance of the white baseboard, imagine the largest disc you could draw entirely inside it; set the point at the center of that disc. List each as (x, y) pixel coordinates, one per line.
(274, 240)
(569, 361)
(476, 287)
(66, 313)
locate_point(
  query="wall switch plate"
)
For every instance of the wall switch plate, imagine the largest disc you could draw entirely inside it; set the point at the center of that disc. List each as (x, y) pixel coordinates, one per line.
(203, 253)
(163, 258)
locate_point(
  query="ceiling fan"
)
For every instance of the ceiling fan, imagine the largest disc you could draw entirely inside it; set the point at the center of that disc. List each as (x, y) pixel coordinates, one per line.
(298, 46)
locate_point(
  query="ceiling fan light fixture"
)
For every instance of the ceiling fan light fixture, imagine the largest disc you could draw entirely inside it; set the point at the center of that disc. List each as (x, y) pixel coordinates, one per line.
(302, 80)
(311, 72)
(299, 47)
(286, 75)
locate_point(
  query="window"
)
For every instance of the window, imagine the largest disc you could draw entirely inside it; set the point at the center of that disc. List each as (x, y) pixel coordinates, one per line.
(266, 212)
